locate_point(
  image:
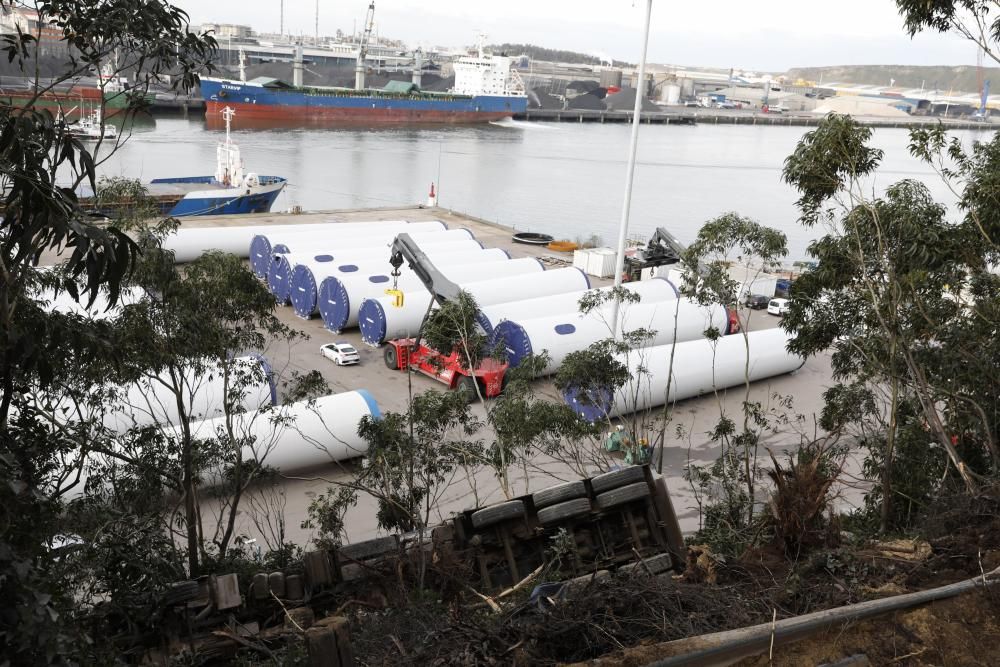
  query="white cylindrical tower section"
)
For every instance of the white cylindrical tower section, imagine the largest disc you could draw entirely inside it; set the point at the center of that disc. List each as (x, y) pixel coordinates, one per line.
(279, 272)
(246, 383)
(272, 238)
(340, 299)
(648, 291)
(306, 277)
(380, 320)
(304, 434)
(189, 243)
(560, 335)
(699, 367)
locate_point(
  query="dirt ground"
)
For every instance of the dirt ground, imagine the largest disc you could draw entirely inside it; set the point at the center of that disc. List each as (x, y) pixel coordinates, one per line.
(963, 631)
(963, 541)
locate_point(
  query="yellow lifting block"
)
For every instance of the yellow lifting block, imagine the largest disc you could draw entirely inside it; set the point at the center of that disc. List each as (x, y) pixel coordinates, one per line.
(397, 297)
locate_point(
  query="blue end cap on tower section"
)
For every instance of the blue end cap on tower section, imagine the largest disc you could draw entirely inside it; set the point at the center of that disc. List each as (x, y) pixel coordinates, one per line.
(269, 373)
(260, 255)
(486, 325)
(590, 407)
(279, 279)
(334, 304)
(302, 291)
(371, 321)
(585, 276)
(515, 341)
(372, 405)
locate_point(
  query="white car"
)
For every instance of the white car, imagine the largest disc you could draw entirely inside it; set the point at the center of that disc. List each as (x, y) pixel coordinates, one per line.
(779, 306)
(343, 354)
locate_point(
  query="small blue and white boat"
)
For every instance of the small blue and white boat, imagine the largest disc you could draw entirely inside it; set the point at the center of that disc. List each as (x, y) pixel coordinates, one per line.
(230, 190)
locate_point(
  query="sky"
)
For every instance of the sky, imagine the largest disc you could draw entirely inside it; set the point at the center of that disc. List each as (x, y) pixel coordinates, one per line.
(773, 35)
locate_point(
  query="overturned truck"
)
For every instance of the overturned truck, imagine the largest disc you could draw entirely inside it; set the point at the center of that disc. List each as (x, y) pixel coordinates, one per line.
(618, 520)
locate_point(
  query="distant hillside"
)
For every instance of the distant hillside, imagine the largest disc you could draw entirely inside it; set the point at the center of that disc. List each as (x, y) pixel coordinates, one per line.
(542, 53)
(959, 79)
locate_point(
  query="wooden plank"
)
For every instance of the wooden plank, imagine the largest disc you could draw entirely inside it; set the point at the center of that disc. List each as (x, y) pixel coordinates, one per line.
(321, 645)
(329, 643)
(319, 569)
(226, 592)
(345, 651)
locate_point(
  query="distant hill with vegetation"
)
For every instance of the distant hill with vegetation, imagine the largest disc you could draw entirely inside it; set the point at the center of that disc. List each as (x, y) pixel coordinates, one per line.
(550, 55)
(959, 79)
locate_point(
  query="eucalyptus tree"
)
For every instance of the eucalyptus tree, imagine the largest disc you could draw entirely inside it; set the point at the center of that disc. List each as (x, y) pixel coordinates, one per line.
(901, 295)
(729, 254)
(38, 349)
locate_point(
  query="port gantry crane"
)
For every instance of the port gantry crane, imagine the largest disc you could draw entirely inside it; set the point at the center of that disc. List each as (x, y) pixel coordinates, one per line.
(486, 380)
(359, 68)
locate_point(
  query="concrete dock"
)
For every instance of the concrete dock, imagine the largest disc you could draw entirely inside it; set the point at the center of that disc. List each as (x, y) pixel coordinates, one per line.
(694, 417)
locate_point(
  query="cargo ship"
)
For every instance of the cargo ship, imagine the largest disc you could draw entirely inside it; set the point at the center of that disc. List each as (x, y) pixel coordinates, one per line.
(75, 101)
(487, 88)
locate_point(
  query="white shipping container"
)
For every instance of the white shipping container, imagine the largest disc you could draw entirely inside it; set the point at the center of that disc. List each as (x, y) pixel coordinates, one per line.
(601, 262)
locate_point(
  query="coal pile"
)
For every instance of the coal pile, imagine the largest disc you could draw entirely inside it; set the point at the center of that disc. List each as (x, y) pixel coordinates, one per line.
(593, 100)
(625, 101)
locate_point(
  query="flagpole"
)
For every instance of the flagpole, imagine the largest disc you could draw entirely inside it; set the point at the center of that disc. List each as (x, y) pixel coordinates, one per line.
(630, 169)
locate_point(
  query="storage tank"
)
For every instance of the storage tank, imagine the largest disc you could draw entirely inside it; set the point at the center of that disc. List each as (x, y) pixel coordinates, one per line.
(306, 278)
(280, 270)
(670, 94)
(189, 243)
(262, 244)
(304, 434)
(699, 367)
(340, 298)
(559, 335)
(649, 291)
(379, 320)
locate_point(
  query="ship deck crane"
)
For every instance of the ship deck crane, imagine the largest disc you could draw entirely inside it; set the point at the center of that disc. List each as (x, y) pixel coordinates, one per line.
(411, 354)
(359, 68)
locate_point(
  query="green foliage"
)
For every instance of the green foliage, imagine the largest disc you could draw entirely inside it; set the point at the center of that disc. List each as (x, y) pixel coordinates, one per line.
(945, 15)
(827, 160)
(917, 473)
(522, 423)
(453, 327)
(722, 241)
(43, 352)
(595, 373)
(903, 299)
(326, 516)
(413, 455)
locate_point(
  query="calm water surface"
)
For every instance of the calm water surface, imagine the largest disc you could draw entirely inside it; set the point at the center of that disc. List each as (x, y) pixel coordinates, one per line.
(563, 179)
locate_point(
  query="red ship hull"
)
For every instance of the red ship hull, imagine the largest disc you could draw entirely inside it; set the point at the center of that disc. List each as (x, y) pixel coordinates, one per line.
(264, 116)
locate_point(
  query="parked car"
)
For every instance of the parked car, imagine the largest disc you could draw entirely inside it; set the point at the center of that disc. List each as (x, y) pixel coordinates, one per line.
(342, 354)
(779, 306)
(757, 301)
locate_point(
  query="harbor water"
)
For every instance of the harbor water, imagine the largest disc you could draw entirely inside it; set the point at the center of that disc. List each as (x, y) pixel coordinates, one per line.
(564, 179)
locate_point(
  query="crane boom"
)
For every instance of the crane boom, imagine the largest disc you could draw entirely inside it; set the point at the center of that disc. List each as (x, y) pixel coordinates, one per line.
(662, 249)
(405, 249)
(359, 68)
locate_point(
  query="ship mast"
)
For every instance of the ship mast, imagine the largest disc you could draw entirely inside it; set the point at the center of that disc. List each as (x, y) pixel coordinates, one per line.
(359, 68)
(229, 164)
